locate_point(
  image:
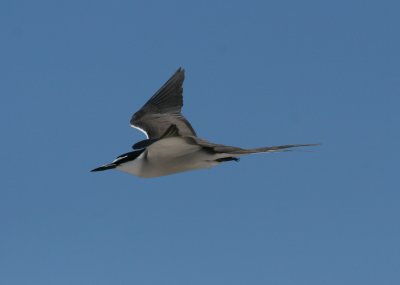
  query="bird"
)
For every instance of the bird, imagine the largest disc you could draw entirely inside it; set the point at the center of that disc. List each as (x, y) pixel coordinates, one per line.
(172, 145)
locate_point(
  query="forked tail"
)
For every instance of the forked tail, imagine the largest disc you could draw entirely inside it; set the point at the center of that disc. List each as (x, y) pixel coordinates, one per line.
(268, 149)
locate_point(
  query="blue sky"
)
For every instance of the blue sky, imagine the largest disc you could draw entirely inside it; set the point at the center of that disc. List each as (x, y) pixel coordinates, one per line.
(257, 73)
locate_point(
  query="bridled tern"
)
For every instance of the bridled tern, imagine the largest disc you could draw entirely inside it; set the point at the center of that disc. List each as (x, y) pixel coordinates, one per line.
(172, 145)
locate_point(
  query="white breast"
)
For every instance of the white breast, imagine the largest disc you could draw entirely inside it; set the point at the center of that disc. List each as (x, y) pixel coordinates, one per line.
(167, 156)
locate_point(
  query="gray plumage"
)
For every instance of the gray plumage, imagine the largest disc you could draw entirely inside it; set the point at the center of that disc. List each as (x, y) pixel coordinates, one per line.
(172, 144)
(164, 109)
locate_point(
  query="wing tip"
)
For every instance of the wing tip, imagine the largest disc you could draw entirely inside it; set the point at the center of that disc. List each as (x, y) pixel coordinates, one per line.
(179, 73)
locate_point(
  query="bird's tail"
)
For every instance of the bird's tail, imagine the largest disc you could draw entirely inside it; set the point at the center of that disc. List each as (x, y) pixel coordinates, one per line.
(240, 151)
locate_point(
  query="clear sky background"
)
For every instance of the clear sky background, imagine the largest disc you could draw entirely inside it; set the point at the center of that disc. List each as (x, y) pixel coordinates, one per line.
(257, 73)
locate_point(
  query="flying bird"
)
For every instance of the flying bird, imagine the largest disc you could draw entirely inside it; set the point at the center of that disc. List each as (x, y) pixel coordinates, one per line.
(171, 143)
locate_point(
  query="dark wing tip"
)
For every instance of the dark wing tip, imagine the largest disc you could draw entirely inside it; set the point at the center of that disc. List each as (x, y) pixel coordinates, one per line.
(167, 99)
(169, 96)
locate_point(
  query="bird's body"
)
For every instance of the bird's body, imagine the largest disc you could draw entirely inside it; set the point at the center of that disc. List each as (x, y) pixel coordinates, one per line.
(172, 145)
(168, 156)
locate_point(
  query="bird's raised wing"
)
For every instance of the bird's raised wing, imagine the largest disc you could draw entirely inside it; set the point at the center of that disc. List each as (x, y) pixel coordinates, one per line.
(164, 110)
